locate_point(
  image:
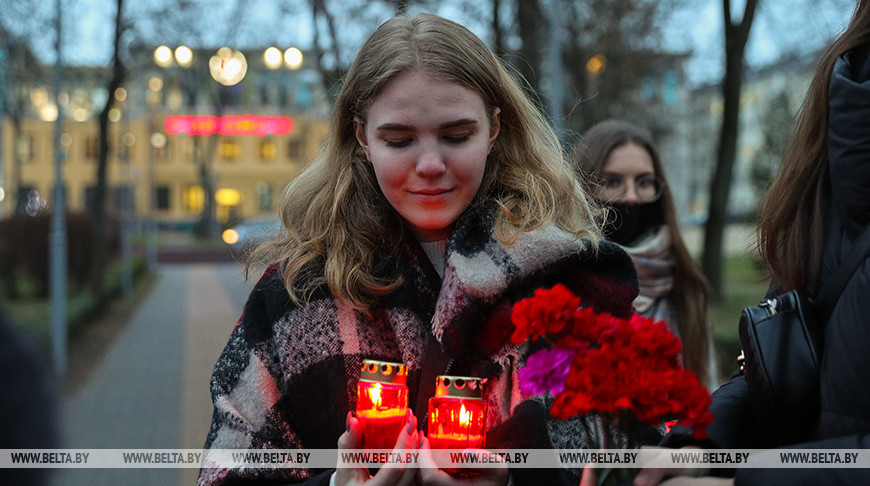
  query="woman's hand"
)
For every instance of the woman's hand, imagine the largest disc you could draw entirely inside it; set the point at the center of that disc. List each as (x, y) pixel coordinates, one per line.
(430, 475)
(702, 481)
(651, 475)
(389, 474)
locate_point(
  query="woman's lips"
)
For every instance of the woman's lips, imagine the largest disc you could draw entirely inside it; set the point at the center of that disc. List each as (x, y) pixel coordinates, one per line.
(431, 195)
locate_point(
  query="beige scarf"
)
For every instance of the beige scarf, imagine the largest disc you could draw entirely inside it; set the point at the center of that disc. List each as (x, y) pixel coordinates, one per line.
(655, 275)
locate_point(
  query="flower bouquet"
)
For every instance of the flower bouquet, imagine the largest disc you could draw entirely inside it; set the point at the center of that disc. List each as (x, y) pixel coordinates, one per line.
(624, 372)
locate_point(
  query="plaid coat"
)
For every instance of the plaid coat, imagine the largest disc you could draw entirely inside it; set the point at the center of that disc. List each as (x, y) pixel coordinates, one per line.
(288, 375)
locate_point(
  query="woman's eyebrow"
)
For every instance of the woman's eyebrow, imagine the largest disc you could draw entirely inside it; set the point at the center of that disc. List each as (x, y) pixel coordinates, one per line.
(450, 124)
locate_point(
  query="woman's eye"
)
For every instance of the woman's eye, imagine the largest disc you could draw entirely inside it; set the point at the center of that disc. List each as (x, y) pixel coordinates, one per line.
(397, 143)
(613, 182)
(646, 182)
(457, 138)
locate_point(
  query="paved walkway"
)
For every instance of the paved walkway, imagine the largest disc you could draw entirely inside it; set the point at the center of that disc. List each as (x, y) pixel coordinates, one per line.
(151, 390)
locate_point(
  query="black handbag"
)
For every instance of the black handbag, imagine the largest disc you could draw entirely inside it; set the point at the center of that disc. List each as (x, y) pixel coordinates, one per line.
(783, 339)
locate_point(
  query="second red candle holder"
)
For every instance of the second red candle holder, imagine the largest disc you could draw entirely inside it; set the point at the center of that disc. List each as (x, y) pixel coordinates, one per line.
(457, 413)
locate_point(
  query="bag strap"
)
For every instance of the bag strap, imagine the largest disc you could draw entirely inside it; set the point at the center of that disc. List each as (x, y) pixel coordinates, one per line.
(829, 295)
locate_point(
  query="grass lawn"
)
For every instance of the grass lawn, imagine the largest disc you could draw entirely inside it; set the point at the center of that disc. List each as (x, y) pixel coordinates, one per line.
(34, 315)
(744, 286)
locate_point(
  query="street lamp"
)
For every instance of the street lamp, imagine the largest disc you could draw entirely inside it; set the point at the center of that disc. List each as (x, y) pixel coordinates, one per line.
(272, 58)
(163, 56)
(596, 64)
(228, 67)
(293, 58)
(183, 56)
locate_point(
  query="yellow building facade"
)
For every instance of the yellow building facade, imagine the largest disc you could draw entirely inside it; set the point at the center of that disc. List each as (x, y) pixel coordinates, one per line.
(249, 171)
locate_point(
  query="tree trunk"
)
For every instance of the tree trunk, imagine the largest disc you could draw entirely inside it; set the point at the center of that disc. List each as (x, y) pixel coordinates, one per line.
(497, 34)
(530, 19)
(207, 226)
(329, 77)
(98, 208)
(720, 184)
(20, 199)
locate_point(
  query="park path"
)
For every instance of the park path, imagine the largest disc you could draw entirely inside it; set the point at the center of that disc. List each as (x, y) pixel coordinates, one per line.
(151, 389)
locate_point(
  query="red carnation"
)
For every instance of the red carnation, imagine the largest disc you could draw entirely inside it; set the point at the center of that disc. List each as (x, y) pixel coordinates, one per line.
(626, 371)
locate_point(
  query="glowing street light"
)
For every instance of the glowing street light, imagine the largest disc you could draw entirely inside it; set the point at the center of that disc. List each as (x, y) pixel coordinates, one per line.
(163, 56)
(228, 66)
(183, 56)
(272, 57)
(155, 84)
(596, 64)
(293, 58)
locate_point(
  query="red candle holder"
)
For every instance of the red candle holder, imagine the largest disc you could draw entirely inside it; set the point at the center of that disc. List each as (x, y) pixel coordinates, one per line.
(381, 403)
(457, 413)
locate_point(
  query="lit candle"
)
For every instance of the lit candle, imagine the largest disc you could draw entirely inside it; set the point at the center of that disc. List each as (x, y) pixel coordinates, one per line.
(382, 402)
(457, 413)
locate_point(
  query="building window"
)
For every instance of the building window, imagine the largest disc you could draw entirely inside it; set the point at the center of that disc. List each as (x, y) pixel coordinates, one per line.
(187, 147)
(26, 148)
(161, 195)
(264, 196)
(92, 147)
(268, 149)
(194, 199)
(89, 197)
(294, 149)
(229, 148)
(122, 199)
(228, 201)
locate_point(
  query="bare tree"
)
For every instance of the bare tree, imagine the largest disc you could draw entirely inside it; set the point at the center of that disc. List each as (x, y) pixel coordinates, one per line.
(19, 67)
(498, 45)
(736, 35)
(98, 257)
(330, 73)
(19, 72)
(530, 26)
(611, 49)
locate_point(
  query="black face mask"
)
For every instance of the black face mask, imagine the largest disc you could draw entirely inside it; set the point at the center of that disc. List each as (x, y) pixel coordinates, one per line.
(629, 221)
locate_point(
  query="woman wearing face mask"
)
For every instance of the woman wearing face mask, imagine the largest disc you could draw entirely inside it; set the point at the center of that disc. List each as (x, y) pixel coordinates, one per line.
(622, 169)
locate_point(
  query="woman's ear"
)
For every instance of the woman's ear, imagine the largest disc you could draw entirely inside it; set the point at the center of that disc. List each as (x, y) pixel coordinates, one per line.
(359, 129)
(494, 127)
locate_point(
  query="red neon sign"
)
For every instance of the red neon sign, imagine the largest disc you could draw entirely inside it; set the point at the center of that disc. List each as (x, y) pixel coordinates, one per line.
(228, 125)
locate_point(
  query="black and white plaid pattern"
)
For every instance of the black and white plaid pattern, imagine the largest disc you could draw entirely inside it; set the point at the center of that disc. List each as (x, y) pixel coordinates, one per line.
(288, 374)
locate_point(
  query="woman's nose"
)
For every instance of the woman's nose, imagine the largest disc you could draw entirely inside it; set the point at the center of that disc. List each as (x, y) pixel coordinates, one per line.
(630, 196)
(430, 163)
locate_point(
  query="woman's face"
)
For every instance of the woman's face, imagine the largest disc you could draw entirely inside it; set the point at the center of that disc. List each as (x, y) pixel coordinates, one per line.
(427, 141)
(629, 176)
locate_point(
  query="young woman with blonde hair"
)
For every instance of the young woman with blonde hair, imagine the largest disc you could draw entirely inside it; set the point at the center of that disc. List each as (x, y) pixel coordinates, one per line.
(440, 197)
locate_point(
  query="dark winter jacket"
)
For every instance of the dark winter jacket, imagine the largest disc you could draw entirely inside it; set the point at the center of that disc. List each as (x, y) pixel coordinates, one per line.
(28, 403)
(288, 375)
(844, 421)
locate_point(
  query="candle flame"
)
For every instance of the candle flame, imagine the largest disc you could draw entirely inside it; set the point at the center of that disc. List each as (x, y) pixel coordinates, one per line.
(375, 395)
(464, 416)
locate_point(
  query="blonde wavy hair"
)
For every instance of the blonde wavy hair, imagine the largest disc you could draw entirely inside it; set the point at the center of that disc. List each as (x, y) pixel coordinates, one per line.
(334, 215)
